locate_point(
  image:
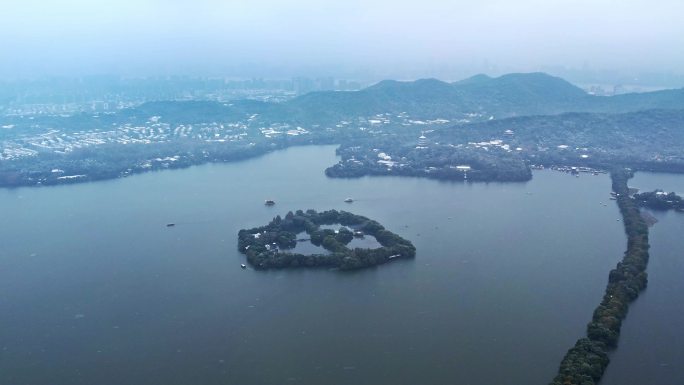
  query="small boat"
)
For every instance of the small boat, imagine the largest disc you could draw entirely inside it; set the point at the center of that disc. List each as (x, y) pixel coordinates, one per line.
(170, 224)
(269, 202)
(349, 200)
(242, 265)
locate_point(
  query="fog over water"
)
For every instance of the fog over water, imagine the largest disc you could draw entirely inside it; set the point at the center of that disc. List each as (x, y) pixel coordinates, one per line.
(377, 38)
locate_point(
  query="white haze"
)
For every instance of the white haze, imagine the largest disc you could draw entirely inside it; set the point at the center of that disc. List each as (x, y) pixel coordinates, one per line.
(383, 38)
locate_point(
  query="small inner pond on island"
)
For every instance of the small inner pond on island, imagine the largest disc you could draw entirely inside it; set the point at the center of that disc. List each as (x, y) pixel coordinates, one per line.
(365, 242)
(304, 245)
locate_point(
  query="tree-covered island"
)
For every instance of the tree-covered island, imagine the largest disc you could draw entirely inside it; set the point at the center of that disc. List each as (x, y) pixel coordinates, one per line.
(267, 246)
(660, 200)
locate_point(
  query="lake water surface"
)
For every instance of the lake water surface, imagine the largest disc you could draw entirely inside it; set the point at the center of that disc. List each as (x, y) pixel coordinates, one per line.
(95, 289)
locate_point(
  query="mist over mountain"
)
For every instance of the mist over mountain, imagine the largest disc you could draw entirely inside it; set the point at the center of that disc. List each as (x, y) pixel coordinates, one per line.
(157, 155)
(505, 96)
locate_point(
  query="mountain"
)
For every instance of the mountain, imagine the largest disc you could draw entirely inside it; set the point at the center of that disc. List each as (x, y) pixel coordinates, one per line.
(476, 79)
(665, 99)
(660, 129)
(523, 94)
(505, 96)
(425, 97)
(473, 99)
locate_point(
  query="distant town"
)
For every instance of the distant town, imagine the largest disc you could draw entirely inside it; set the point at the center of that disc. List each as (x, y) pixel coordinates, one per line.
(386, 129)
(100, 94)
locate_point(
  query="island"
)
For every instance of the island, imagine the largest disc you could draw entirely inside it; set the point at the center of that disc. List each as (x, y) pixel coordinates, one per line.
(660, 200)
(270, 246)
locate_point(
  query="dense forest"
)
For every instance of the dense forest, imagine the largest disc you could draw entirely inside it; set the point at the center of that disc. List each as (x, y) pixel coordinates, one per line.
(660, 200)
(268, 247)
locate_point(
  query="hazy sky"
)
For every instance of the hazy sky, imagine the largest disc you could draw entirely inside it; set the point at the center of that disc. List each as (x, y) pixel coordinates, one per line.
(385, 38)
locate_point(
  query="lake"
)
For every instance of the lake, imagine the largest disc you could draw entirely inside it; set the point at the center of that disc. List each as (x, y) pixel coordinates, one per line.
(95, 289)
(651, 347)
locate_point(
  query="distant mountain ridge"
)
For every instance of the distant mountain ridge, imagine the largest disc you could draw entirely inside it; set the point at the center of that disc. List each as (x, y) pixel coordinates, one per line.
(426, 98)
(524, 88)
(518, 94)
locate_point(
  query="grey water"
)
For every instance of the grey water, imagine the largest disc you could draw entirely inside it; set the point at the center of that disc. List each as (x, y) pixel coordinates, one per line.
(365, 242)
(95, 289)
(651, 347)
(304, 245)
